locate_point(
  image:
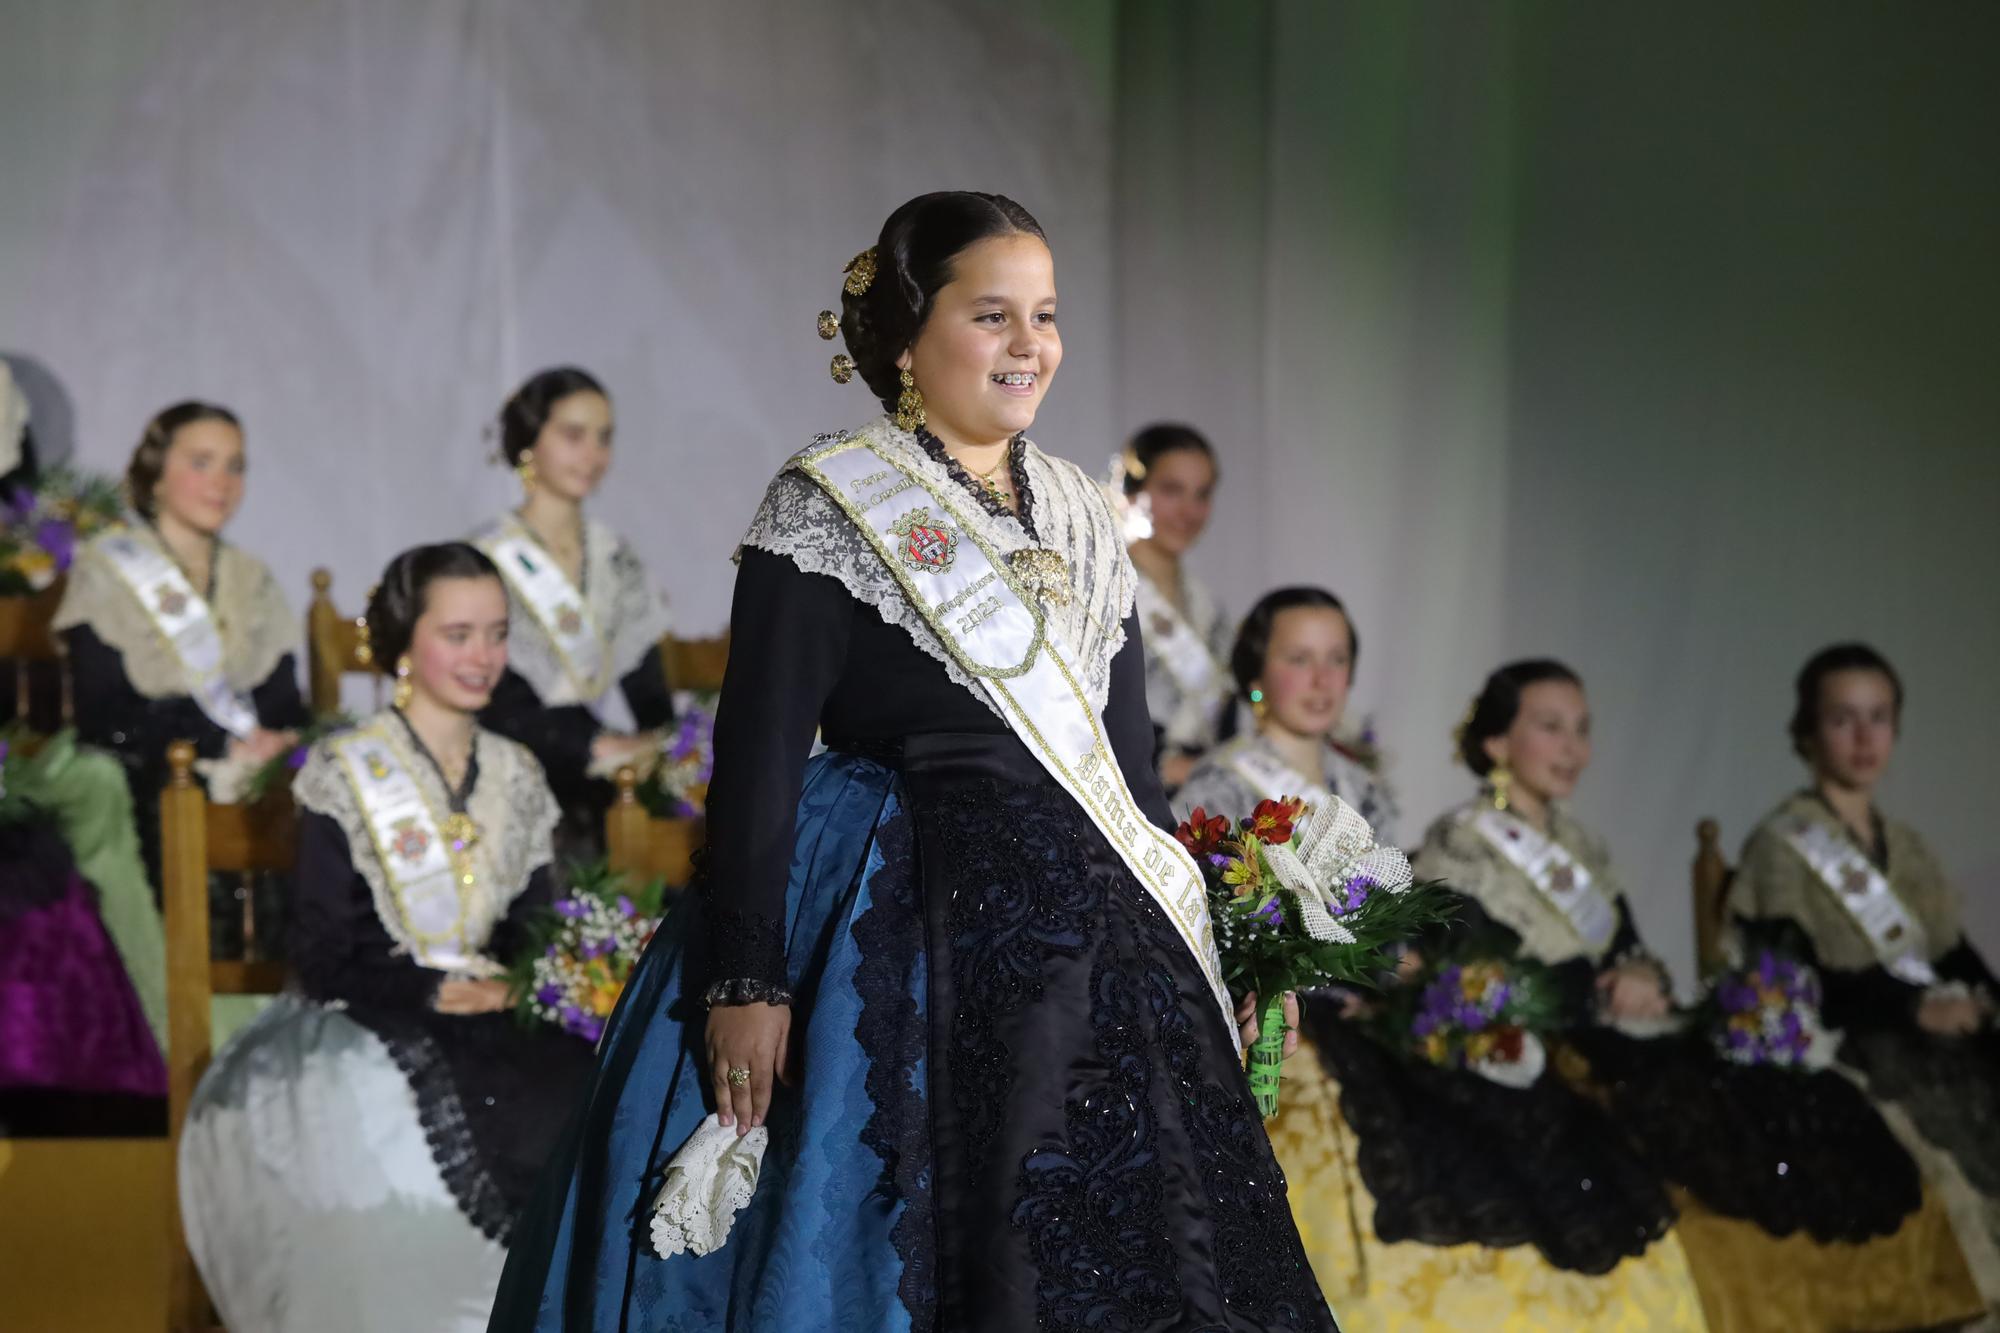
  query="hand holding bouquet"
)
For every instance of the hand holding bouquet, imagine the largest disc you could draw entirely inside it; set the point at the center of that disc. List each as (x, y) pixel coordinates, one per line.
(1483, 1016)
(1301, 896)
(1766, 1012)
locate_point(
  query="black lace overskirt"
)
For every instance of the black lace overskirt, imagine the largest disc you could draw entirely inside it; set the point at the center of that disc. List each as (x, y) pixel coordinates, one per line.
(1453, 1158)
(1098, 1163)
(1950, 1086)
(1789, 1150)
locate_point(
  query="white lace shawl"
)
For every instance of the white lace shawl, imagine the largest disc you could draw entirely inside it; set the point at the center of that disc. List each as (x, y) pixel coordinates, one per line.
(251, 613)
(623, 600)
(799, 521)
(511, 803)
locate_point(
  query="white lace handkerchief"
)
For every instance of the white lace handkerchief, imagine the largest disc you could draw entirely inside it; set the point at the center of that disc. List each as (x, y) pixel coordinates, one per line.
(710, 1179)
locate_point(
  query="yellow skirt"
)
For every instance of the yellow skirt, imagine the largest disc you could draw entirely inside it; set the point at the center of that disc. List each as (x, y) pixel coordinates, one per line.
(1754, 1282)
(1412, 1288)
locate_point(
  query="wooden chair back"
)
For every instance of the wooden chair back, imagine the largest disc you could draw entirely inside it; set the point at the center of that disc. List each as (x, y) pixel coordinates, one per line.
(26, 639)
(695, 664)
(1711, 896)
(336, 646)
(645, 846)
(195, 839)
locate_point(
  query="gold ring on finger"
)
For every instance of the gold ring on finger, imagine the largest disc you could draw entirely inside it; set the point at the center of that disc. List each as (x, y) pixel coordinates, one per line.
(738, 1076)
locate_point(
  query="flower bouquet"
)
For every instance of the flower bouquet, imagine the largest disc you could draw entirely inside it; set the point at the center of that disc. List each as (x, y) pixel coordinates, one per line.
(1483, 1015)
(1766, 1012)
(677, 788)
(1302, 897)
(40, 526)
(582, 950)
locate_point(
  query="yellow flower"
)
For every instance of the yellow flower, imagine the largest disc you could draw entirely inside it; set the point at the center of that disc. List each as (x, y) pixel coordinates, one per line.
(604, 998)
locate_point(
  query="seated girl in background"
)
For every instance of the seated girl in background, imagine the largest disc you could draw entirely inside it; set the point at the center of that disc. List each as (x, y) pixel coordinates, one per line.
(585, 688)
(356, 1157)
(1293, 661)
(1885, 928)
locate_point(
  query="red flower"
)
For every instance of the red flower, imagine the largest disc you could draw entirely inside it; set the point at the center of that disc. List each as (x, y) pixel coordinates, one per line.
(1201, 833)
(1271, 821)
(1509, 1042)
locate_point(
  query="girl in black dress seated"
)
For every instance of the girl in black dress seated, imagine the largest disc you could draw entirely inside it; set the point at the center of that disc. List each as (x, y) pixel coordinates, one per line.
(357, 1156)
(1911, 993)
(585, 688)
(175, 634)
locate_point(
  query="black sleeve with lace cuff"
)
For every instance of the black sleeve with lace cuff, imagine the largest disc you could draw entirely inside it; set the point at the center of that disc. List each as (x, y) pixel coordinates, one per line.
(747, 954)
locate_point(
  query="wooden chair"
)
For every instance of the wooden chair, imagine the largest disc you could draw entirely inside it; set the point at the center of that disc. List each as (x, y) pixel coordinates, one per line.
(1711, 896)
(645, 846)
(195, 839)
(335, 647)
(695, 664)
(26, 639)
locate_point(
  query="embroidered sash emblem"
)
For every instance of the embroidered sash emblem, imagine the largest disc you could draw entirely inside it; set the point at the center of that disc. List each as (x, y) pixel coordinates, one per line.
(410, 842)
(927, 546)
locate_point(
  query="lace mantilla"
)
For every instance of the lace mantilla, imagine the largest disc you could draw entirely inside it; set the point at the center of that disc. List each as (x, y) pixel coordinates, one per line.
(511, 804)
(251, 614)
(623, 599)
(799, 521)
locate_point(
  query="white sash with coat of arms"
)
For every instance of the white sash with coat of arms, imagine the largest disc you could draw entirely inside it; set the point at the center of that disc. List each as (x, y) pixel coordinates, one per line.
(975, 602)
(1867, 897)
(433, 903)
(184, 620)
(1563, 882)
(565, 616)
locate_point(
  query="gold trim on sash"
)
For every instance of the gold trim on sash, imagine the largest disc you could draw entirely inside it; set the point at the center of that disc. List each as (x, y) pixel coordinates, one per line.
(559, 596)
(185, 622)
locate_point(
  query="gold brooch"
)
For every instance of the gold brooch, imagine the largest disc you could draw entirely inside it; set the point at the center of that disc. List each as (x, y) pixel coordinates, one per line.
(1044, 572)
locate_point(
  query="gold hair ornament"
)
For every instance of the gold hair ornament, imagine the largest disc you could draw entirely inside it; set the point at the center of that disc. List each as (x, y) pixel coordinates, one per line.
(829, 325)
(860, 273)
(842, 368)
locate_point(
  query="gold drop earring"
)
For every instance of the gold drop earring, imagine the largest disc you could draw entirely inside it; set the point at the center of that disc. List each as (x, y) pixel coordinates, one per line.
(406, 688)
(525, 470)
(1500, 779)
(910, 407)
(1258, 708)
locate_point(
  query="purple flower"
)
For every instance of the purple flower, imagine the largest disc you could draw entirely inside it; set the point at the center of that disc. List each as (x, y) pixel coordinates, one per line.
(1350, 896)
(58, 539)
(572, 908)
(1272, 913)
(297, 758)
(549, 995)
(625, 907)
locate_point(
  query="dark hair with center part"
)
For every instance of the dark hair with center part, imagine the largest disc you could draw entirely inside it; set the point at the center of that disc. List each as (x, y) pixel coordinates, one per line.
(913, 261)
(524, 414)
(1824, 663)
(1155, 442)
(1499, 703)
(1253, 640)
(398, 602)
(149, 459)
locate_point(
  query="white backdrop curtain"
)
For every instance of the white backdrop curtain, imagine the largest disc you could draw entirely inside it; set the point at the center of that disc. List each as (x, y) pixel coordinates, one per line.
(1654, 338)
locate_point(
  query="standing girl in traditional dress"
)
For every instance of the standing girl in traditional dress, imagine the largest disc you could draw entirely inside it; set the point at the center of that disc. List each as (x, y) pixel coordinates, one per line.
(585, 688)
(1884, 926)
(174, 634)
(1293, 662)
(1187, 635)
(962, 939)
(356, 1157)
